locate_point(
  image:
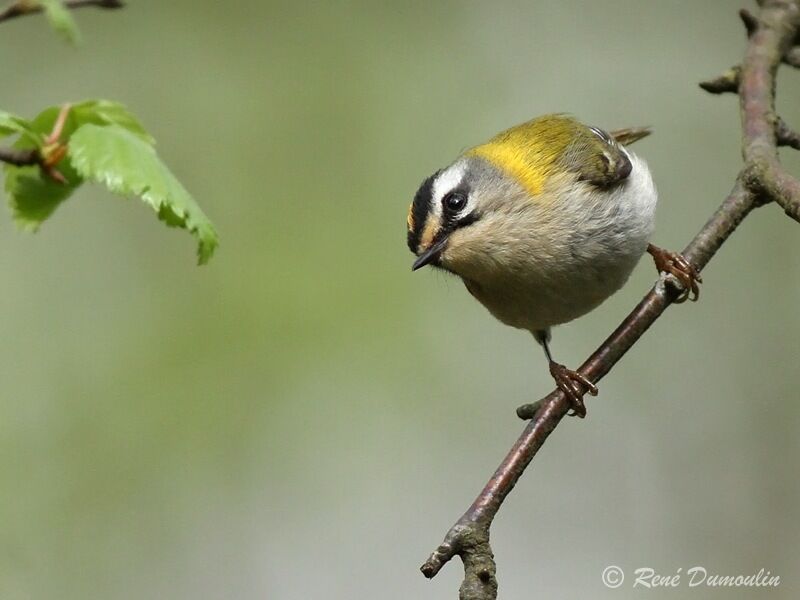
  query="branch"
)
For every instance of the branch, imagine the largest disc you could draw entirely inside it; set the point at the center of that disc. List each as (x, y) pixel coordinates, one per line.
(762, 179)
(46, 157)
(769, 44)
(20, 158)
(46, 161)
(786, 135)
(21, 8)
(725, 83)
(750, 21)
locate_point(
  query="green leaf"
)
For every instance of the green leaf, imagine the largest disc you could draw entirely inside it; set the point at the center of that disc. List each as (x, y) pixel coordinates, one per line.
(125, 163)
(11, 124)
(105, 112)
(108, 145)
(98, 112)
(61, 20)
(33, 196)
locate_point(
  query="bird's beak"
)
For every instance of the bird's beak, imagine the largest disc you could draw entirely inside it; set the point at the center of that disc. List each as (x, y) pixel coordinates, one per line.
(431, 255)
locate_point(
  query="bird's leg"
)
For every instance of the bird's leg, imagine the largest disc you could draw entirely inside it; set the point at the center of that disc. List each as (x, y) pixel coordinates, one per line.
(675, 264)
(573, 384)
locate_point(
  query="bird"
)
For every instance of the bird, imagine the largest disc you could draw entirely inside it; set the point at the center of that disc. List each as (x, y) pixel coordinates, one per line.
(543, 223)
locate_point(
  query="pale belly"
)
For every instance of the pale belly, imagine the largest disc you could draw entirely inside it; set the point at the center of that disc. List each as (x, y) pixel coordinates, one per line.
(527, 301)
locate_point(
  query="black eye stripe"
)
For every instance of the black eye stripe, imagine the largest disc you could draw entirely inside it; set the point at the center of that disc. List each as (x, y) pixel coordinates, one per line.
(420, 208)
(468, 219)
(423, 205)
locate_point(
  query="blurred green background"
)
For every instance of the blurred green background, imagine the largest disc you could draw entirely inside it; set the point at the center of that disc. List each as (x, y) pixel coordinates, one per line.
(305, 418)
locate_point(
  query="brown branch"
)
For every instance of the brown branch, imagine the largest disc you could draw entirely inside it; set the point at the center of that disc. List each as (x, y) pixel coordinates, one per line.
(750, 21)
(761, 180)
(46, 161)
(21, 8)
(728, 82)
(20, 158)
(763, 173)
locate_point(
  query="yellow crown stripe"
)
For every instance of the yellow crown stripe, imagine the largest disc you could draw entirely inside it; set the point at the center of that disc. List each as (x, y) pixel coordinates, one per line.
(517, 165)
(530, 151)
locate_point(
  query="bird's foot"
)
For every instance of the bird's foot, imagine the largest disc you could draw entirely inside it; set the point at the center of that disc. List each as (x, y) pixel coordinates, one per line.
(574, 385)
(676, 265)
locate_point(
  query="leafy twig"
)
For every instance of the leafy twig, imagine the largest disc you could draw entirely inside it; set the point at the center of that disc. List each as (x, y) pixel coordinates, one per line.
(762, 179)
(21, 8)
(46, 157)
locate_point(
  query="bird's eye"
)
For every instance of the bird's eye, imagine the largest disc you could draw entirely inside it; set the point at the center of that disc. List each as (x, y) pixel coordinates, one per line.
(454, 201)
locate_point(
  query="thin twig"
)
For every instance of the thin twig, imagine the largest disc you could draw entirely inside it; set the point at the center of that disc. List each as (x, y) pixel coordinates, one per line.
(750, 21)
(28, 7)
(726, 83)
(29, 157)
(20, 158)
(762, 179)
(46, 157)
(786, 136)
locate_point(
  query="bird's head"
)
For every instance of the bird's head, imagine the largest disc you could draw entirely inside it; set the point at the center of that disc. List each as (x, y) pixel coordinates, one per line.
(516, 198)
(472, 215)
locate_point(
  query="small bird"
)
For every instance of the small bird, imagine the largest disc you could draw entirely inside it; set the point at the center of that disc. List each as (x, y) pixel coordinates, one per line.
(542, 223)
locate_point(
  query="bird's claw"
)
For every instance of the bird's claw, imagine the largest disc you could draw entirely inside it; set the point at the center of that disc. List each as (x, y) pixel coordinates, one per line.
(673, 263)
(574, 385)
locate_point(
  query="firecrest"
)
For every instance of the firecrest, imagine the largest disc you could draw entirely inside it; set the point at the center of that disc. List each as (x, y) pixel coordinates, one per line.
(542, 223)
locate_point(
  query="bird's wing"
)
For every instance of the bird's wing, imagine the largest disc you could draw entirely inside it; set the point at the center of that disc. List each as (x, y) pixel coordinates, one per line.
(599, 158)
(630, 135)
